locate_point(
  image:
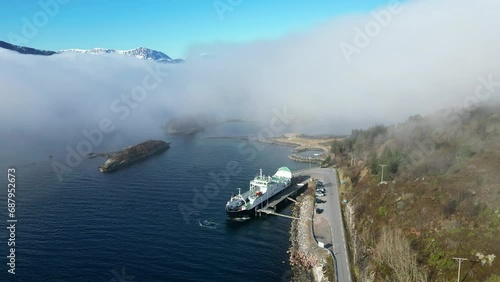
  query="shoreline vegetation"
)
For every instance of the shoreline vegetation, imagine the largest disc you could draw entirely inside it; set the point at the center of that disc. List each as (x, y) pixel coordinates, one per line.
(437, 199)
(437, 193)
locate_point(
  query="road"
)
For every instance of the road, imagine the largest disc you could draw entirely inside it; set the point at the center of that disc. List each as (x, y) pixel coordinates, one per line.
(333, 214)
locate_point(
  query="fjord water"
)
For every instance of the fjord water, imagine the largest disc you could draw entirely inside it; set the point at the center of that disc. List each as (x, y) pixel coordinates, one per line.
(127, 225)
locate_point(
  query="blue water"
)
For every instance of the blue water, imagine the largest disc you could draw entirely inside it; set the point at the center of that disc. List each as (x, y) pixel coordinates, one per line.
(127, 225)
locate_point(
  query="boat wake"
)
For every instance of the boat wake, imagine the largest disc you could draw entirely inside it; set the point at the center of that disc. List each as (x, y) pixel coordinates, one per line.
(208, 224)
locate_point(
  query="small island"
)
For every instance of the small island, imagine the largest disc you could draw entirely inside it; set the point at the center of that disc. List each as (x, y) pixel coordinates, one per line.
(133, 154)
(185, 125)
(193, 124)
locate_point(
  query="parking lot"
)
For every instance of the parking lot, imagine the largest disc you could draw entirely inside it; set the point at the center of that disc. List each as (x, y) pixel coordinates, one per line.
(328, 226)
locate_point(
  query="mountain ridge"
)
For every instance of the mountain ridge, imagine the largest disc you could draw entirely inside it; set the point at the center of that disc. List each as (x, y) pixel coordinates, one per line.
(142, 53)
(25, 50)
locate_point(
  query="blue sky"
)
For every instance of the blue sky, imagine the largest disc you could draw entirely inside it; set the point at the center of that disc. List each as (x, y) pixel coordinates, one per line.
(169, 25)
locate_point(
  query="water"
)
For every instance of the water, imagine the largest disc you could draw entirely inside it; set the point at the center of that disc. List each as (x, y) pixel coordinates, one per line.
(127, 225)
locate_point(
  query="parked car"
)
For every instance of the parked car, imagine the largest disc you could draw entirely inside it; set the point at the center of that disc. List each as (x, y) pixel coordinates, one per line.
(321, 190)
(319, 194)
(319, 211)
(319, 201)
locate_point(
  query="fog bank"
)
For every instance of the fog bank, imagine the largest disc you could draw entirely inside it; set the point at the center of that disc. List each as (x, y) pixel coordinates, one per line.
(343, 74)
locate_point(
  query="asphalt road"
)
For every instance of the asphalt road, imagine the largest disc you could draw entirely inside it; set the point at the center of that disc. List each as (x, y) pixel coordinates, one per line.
(333, 214)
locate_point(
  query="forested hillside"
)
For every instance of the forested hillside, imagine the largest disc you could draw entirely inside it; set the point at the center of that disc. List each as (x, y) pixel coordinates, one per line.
(440, 197)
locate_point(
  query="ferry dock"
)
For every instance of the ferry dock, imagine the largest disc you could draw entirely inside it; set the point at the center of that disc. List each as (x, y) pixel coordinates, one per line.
(287, 194)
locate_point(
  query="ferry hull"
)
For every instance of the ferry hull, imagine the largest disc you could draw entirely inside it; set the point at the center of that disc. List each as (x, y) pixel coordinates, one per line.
(240, 214)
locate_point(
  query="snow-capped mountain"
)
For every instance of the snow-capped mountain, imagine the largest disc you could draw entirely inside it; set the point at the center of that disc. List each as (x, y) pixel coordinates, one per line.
(140, 53)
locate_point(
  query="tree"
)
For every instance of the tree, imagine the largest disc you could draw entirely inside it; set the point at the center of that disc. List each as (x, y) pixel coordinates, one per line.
(394, 252)
(373, 163)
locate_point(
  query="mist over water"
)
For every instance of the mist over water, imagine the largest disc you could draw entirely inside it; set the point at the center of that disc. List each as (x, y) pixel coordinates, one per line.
(426, 58)
(94, 224)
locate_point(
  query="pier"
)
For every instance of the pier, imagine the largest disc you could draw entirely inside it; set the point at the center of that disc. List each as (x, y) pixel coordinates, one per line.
(270, 211)
(287, 194)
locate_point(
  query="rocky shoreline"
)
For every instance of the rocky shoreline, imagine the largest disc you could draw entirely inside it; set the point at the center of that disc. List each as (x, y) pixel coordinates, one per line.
(297, 158)
(278, 143)
(308, 262)
(299, 147)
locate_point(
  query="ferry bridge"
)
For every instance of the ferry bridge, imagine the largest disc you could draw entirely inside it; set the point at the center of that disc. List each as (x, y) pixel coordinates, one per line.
(287, 194)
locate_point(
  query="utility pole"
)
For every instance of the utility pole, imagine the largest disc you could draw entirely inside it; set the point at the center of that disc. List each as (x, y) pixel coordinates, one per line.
(382, 179)
(459, 264)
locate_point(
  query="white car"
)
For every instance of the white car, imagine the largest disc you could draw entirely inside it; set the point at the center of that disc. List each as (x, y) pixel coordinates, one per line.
(320, 190)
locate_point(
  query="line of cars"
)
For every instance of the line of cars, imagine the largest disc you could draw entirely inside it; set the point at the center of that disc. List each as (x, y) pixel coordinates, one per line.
(320, 192)
(320, 189)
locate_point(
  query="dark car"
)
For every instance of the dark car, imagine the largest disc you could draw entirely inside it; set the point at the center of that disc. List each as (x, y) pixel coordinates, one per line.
(319, 201)
(319, 211)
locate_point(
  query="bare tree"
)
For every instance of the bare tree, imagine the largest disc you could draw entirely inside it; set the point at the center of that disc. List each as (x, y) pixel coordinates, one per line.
(394, 251)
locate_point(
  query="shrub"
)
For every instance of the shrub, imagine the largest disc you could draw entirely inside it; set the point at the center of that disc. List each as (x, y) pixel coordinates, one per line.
(449, 208)
(382, 211)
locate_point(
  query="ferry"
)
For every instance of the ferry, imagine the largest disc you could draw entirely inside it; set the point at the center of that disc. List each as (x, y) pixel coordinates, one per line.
(261, 190)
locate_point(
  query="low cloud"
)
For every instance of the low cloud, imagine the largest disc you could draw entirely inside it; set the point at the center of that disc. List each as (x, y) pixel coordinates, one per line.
(428, 57)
